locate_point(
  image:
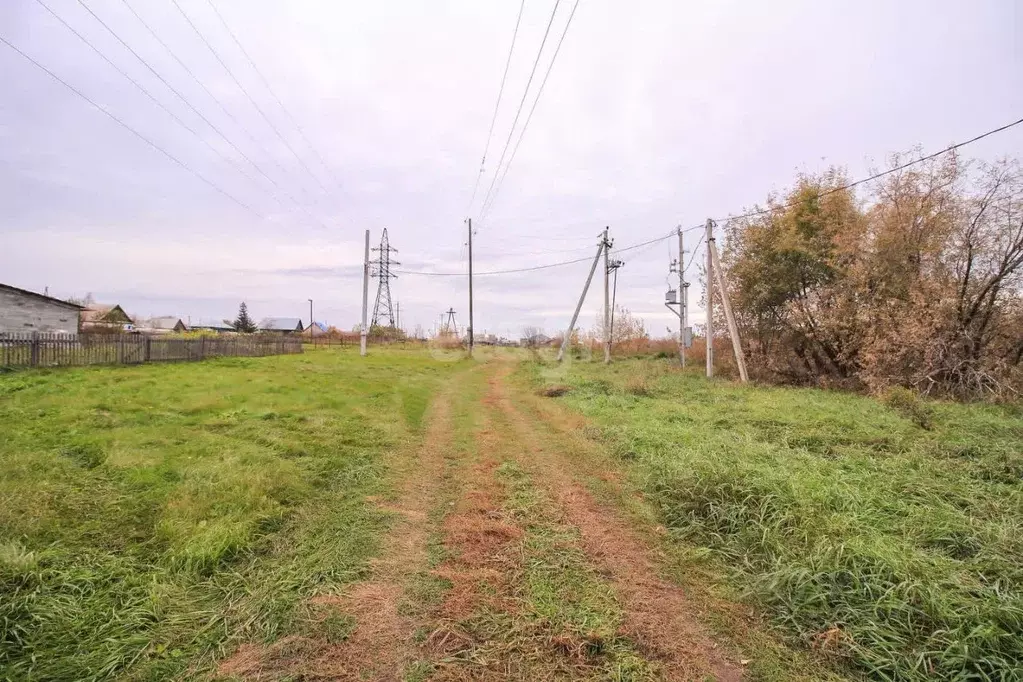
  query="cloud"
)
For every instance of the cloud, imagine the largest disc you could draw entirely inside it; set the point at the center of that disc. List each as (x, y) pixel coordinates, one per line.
(655, 114)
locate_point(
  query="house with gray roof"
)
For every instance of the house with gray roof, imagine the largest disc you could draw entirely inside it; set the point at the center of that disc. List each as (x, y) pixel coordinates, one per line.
(281, 325)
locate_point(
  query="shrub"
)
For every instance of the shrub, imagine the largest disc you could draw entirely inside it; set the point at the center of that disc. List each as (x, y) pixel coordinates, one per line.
(911, 406)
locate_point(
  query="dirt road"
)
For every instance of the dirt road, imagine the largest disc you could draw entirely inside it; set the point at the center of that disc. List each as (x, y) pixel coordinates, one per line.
(503, 564)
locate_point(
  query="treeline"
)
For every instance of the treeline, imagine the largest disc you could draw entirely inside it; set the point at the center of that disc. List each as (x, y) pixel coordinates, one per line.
(916, 280)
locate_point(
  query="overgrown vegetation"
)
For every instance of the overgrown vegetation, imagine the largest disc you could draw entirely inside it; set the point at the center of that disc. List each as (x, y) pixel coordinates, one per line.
(151, 517)
(888, 537)
(917, 282)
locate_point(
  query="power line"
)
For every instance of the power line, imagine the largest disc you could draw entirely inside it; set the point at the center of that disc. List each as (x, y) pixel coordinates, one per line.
(177, 119)
(536, 267)
(227, 113)
(184, 100)
(876, 176)
(133, 131)
(497, 106)
(522, 103)
(522, 133)
(274, 94)
(693, 257)
(216, 55)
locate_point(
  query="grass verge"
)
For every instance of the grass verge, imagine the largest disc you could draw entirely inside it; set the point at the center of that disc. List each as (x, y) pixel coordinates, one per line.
(889, 546)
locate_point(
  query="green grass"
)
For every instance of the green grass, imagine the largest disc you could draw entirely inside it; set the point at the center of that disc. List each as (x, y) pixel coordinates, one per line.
(569, 606)
(890, 543)
(153, 516)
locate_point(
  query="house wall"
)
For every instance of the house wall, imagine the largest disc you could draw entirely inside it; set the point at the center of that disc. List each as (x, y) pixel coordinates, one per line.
(21, 313)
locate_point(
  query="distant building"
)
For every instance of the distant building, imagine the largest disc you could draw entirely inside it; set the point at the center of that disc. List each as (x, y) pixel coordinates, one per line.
(163, 325)
(26, 311)
(281, 325)
(109, 318)
(315, 329)
(210, 324)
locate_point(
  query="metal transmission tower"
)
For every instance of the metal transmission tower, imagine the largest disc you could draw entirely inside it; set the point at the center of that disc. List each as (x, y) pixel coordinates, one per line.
(383, 272)
(450, 326)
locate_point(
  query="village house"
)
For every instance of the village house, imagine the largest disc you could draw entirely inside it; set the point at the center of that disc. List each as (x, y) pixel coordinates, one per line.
(165, 324)
(209, 324)
(26, 311)
(105, 318)
(281, 325)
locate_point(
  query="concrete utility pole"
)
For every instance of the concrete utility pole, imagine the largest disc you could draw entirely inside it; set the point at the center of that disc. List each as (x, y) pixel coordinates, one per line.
(310, 318)
(733, 328)
(607, 302)
(682, 301)
(578, 306)
(710, 299)
(470, 288)
(365, 298)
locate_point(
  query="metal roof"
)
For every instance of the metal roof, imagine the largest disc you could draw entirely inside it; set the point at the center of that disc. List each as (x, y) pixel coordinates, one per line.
(48, 299)
(281, 324)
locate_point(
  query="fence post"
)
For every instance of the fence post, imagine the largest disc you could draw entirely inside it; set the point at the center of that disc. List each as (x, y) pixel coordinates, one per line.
(35, 348)
(149, 351)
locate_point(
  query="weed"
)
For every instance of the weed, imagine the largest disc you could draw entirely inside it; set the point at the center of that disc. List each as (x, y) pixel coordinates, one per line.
(910, 405)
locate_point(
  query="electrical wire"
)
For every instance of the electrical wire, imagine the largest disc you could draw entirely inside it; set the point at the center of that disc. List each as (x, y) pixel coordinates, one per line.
(134, 132)
(241, 87)
(522, 102)
(226, 111)
(266, 83)
(535, 267)
(876, 176)
(497, 105)
(692, 257)
(522, 133)
(184, 100)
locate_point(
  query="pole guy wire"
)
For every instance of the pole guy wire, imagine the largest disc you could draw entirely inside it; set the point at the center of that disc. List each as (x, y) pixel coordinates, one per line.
(525, 126)
(522, 103)
(497, 106)
(133, 131)
(269, 89)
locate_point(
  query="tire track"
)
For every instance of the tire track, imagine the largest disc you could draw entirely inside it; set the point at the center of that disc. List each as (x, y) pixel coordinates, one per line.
(658, 615)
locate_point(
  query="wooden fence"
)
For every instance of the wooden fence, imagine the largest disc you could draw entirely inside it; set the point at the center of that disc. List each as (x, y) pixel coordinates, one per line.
(52, 350)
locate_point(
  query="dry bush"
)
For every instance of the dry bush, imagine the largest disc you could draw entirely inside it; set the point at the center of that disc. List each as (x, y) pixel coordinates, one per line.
(918, 284)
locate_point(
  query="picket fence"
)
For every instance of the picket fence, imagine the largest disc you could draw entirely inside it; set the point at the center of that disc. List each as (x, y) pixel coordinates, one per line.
(53, 350)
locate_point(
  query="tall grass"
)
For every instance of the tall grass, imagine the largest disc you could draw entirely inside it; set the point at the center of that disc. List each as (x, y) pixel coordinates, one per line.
(151, 516)
(895, 549)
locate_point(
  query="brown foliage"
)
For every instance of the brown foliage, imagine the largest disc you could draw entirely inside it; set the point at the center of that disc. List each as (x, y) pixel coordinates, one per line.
(919, 284)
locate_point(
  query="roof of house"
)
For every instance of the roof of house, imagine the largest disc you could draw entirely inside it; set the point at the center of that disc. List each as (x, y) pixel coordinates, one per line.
(96, 313)
(48, 299)
(210, 323)
(281, 324)
(163, 322)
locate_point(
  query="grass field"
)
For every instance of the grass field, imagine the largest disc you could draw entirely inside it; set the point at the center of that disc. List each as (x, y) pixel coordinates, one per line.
(887, 538)
(153, 516)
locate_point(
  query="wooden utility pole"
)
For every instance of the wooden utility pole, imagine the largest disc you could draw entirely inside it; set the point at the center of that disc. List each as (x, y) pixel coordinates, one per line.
(578, 306)
(710, 299)
(365, 298)
(470, 288)
(310, 318)
(733, 328)
(607, 302)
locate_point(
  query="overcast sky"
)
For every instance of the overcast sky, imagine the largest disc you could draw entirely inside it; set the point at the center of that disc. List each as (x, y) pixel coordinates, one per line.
(656, 113)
